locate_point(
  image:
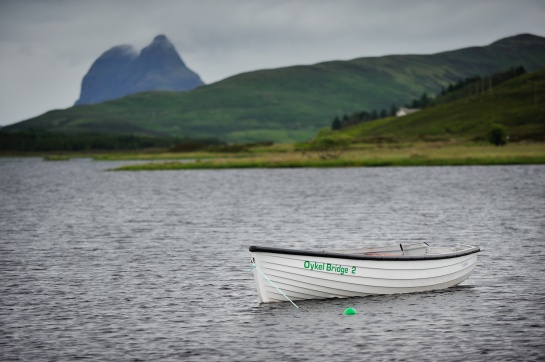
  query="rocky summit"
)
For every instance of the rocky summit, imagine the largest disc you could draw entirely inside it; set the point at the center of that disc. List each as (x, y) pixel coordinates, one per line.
(121, 71)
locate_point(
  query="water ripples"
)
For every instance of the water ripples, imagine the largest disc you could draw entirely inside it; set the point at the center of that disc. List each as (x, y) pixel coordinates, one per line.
(154, 265)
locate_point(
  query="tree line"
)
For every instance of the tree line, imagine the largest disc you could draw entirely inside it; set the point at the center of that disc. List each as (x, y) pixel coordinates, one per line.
(360, 117)
(40, 140)
(476, 85)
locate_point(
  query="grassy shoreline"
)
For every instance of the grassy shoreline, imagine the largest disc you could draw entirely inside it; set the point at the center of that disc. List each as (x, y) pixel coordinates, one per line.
(421, 154)
(285, 156)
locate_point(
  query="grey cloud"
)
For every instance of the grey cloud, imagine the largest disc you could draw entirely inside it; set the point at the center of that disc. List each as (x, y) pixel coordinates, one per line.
(59, 39)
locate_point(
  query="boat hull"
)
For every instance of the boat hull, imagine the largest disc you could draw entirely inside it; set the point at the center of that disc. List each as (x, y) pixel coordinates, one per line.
(317, 277)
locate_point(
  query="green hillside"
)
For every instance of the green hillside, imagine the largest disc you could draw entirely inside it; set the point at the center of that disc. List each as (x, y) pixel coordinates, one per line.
(517, 105)
(293, 103)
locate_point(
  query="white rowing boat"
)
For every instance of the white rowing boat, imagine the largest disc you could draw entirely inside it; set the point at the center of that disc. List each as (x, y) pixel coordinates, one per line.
(408, 268)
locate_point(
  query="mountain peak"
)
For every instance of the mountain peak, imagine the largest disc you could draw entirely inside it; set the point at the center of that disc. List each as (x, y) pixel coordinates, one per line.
(522, 39)
(161, 41)
(160, 37)
(121, 71)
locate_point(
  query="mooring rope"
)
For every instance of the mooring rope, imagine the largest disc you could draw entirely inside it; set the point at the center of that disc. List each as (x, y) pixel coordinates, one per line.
(270, 281)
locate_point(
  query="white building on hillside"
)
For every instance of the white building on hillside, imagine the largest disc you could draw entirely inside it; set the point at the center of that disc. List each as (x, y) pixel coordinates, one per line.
(405, 111)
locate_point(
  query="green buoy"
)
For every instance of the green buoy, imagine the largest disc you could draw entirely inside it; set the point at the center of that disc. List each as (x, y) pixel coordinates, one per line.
(350, 311)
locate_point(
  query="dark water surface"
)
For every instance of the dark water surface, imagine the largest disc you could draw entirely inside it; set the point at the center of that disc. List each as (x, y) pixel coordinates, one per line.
(153, 266)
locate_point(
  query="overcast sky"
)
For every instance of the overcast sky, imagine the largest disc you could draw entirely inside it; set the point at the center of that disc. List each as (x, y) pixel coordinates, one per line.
(47, 46)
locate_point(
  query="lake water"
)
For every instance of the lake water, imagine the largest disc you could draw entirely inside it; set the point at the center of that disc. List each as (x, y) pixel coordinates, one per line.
(153, 266)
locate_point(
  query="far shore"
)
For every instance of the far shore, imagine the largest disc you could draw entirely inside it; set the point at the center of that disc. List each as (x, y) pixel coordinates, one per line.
(417, 154)
(286, 156)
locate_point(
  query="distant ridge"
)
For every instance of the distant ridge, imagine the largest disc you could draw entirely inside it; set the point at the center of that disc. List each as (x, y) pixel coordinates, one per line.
(515, 105)
(121, 71)
(292, 103)
(519, 39)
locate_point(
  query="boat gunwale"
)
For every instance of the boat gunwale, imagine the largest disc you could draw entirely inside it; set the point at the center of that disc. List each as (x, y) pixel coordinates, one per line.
(328, 254)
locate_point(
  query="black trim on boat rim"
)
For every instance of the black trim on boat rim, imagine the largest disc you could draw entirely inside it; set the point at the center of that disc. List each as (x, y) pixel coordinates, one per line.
(325, 254)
